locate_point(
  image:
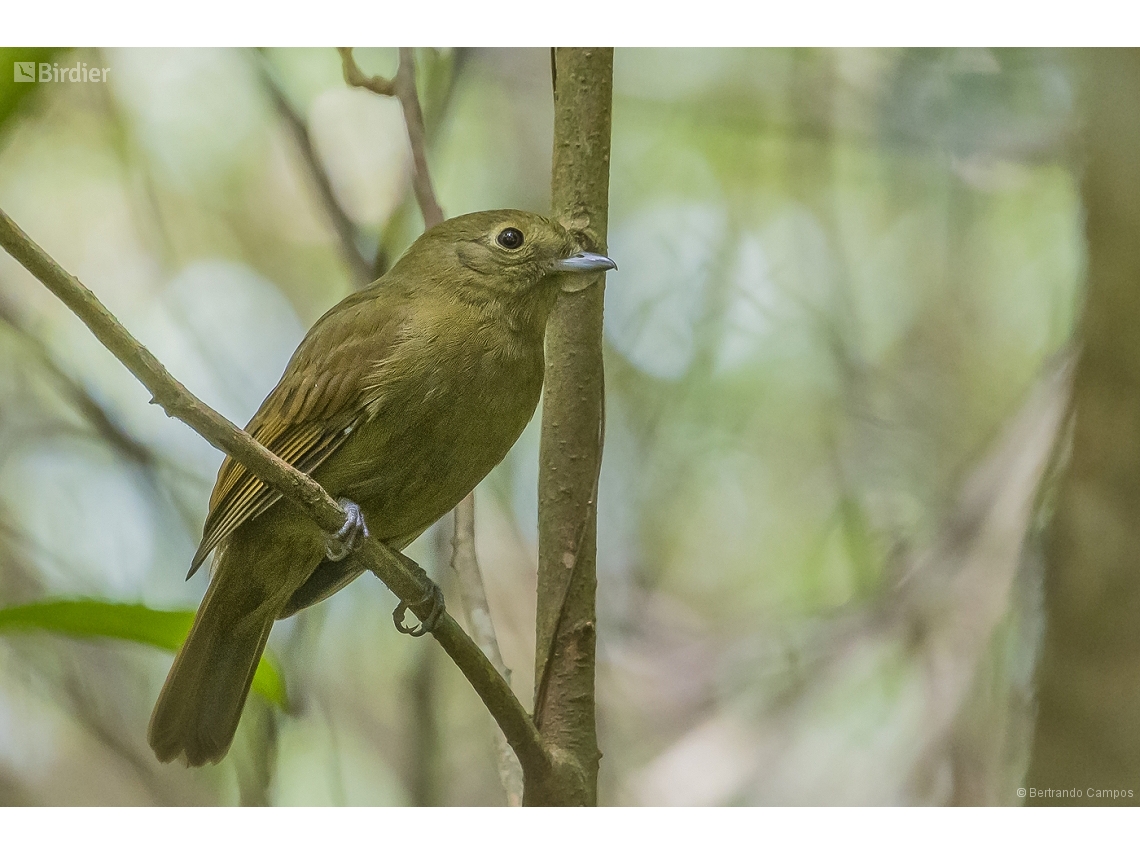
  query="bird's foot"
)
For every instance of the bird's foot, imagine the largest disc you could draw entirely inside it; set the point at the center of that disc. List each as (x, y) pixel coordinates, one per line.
(342, 544)
(434, 598)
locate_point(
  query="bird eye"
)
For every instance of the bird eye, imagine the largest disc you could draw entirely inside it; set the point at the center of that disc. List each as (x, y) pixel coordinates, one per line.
(510, 238)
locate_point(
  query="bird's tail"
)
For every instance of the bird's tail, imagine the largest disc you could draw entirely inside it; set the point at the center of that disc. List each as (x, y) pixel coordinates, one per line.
(199, 707)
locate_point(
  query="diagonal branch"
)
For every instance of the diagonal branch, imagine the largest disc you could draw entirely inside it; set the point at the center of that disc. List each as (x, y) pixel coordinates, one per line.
(402, 575)
(98, 417)
(345, 229)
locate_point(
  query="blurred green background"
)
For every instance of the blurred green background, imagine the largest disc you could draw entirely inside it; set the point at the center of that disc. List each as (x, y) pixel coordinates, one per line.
(843, 273)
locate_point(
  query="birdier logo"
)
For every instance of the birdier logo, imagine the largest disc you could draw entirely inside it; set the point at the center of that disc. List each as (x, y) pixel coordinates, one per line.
(52, 72)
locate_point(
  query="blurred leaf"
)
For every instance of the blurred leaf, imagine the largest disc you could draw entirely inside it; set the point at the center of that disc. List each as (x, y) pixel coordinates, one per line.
(11, 92)
(127, 621)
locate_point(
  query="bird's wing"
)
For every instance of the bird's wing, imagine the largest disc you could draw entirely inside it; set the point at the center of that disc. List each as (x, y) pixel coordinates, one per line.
(320, 399)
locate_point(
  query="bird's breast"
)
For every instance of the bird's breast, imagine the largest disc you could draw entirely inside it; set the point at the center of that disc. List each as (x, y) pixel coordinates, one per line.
(436, 426)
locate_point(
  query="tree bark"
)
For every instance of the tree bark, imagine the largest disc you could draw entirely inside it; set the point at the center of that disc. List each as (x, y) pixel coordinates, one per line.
(1087, 736)
(571, 445)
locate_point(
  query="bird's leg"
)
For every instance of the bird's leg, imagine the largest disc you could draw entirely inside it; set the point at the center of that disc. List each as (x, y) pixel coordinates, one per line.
(340, 545)
(434, 597)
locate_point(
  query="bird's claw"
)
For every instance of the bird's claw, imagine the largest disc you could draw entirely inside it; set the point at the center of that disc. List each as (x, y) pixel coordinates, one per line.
(342, 544)
(434, 597)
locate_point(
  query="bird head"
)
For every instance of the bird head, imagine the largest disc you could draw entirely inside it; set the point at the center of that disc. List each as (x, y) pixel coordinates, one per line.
(512, 254)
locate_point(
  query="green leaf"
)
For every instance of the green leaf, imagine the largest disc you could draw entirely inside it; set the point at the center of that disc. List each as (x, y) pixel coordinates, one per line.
(129, 622)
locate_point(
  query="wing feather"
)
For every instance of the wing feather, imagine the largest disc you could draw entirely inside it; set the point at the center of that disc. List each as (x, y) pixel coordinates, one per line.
(324, 394)
(305, 447)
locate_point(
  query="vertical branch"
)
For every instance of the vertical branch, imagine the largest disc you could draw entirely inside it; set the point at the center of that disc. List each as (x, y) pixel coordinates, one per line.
(257, 765)
(1086, 748)
(572, 430)
(424, 775)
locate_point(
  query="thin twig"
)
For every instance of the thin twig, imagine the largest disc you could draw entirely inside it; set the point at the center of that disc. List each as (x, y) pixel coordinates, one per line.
(403, 87)
(353, 76)
(463, 559)
(402, 575)
(414, 119)
(345, 229)
(478, 614)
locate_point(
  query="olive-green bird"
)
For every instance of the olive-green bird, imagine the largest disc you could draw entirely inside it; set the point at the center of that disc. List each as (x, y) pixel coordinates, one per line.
(398, 402)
